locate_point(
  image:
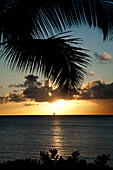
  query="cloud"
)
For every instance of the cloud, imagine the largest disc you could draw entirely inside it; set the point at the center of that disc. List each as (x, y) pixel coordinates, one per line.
(103, 58)
(12, 86)
(91, 73)
(38, 92)
(45, 93)
(33, 90)
(29, 104)
(31, 81)
(12, 97)
(15, 91)
(16, 97)
(96, 89)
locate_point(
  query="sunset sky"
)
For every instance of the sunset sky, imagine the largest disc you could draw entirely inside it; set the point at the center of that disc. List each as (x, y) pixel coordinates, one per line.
(24, 94)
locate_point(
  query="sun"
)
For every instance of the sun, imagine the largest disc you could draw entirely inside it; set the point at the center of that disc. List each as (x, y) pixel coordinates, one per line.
(58, 104)
(62, 107)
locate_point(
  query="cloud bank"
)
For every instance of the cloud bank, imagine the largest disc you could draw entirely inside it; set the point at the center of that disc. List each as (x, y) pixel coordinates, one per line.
(34, 90)
(96, 89)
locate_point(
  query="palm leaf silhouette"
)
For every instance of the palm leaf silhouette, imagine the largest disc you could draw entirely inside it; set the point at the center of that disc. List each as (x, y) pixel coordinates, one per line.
(54, 57)
(42, 18)
(27, 29)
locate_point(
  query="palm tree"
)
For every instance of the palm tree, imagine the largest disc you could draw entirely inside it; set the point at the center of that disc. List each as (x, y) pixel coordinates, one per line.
(34, 36)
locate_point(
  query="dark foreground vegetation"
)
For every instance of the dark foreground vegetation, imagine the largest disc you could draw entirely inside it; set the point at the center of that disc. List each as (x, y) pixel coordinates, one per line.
(52, 161)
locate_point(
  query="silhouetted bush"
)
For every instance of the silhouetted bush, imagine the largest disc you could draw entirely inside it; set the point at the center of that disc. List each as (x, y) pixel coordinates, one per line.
(101, 161)
(53, 161)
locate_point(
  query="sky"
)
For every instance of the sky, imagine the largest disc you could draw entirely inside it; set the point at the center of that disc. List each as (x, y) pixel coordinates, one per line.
(24, 94)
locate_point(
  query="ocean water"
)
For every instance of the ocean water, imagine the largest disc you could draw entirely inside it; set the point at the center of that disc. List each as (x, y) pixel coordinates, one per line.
(24, 137)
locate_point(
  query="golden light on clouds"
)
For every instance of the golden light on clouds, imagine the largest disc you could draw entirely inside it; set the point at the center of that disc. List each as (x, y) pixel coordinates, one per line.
(95, 97)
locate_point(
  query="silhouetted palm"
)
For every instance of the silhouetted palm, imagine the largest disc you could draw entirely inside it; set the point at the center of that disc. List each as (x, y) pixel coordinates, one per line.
(27, 30)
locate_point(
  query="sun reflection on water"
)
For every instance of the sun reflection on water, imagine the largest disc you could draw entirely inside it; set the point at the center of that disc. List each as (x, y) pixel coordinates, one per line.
(57, 136)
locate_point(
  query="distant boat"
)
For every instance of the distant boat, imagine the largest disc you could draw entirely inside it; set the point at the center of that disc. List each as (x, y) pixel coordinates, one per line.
(54, 114)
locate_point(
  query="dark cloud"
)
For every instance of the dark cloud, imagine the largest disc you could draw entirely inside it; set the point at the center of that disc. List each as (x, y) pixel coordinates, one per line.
(13, 86)
(16, 85)
(12, 97)
(31, 81)
(29, 104)
(103, 58)
(96, 89)
(15, 91)
(16, 97)
(38, 92)
(46, 93)
(31, 91)
(1, 99)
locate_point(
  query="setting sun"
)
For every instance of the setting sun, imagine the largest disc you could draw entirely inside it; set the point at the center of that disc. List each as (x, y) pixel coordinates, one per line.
(58, 104)
(61, 107)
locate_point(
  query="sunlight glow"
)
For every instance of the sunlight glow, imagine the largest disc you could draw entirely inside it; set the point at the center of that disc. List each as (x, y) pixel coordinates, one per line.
(58, 104)
(61, 107)
(50, 94)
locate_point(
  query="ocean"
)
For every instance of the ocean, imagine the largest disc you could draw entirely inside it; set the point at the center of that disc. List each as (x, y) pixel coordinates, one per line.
(24, 137)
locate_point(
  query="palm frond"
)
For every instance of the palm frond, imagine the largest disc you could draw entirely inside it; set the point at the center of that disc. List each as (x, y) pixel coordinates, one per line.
(58, 58)
(44, 18)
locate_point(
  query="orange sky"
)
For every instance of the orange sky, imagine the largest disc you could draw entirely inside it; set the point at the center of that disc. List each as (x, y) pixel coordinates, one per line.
(61, 107)
(35, 98)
